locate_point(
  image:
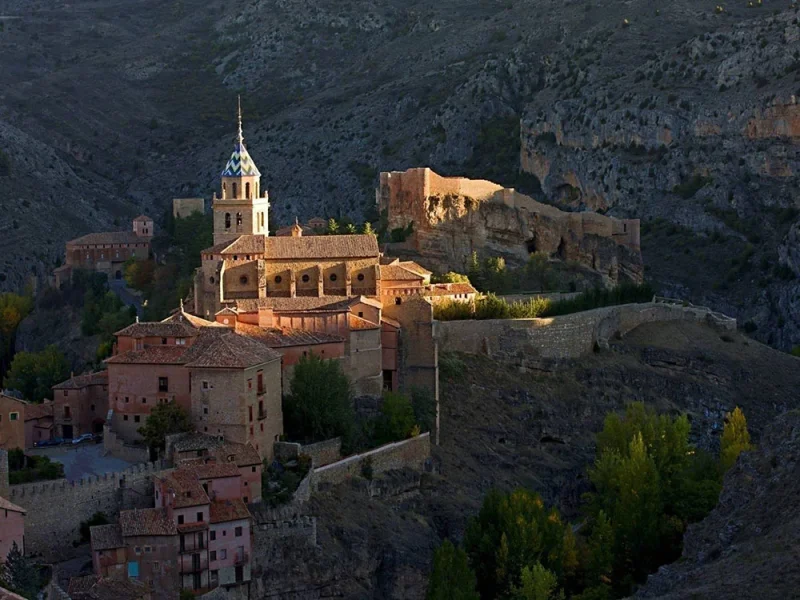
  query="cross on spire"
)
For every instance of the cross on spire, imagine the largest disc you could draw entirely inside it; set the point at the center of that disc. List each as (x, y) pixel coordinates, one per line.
(241, 136)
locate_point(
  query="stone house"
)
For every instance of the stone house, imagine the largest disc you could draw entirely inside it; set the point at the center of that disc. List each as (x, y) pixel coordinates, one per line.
(80, 405)
(22, 423)
(197, 537)
(229, 384)
(106, 252)
(12, 527)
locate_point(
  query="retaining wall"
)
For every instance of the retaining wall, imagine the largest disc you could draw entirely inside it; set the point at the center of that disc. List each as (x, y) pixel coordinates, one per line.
(56, 508)
(113, 445)
(411, 453)
(322, 453)
(567, 336)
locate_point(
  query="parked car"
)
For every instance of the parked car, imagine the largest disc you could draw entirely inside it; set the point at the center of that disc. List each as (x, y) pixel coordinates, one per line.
(51, 442)
(86, 437)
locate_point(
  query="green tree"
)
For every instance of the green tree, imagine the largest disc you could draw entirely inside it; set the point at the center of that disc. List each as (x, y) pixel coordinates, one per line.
(33, 374)
(19, 574)
(13, 308)
(164, 420)
(396, 420)
(366, 229)
(319, 405)
(538, 271)
(735, 438)
(424, 405)
(537, 583)
(452, 578)
(513, 531)
(450, 277)
(350, 229)
(333, 227)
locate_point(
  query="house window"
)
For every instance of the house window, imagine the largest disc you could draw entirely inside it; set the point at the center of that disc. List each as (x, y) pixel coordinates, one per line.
(360, 313)
(180, 341)
(305, 278)
(133, 569)
(13, 416)
(136, 419)
(398, 301)
(333, 276)
(253, 469)
(180, 522)
(249, 384)
(92, 407)
(238, 219)
(127, 399)
(163, 384)
(67, 414)
(260, 378)
(137, 550)
(250, 414)
(238, 532)
(245, 498)
(227, 222)
(360, 277)
(223, 554)
(213, 553)
(148, 549)
(205, 385)
(163, 341)
(212, 535)
(205, 410)
(66, 393)
(144, 400)
(124, 417)
(199, 517)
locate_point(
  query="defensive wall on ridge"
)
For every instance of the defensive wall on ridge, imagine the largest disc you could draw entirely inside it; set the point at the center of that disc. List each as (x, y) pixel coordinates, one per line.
(321, 453)
(55, 509)
(519, 341)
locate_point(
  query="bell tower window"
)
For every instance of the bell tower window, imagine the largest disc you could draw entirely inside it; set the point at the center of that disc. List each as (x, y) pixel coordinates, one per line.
(238, 219)
(247, 190)
(234, 190)
(227, 220)
(224, 189)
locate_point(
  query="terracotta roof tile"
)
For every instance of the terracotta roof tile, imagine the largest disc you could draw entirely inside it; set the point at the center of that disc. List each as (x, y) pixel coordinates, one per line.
(232, 351)
(106, 537)
(107, 237)
(390, 321)
(146, 521)
(448, 289)
(181, 316)
(151, 355)
(38, 411)
(214, 470)
(6, 505)
(415, 267)
(158, 329)
(399, 273)
(328, 247)
(228, 510)
(299, 304)
(242, 455)
(187, 489)
(358, 323)
(285, 337)
(82, 381)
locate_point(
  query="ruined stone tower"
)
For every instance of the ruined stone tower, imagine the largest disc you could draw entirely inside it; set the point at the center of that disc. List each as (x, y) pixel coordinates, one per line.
(243, 207)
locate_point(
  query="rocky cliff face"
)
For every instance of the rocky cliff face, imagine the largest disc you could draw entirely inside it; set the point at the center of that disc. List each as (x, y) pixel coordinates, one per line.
(701, 135)
(747, 547)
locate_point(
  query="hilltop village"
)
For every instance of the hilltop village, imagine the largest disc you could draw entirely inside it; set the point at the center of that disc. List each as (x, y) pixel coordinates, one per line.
(194, 519)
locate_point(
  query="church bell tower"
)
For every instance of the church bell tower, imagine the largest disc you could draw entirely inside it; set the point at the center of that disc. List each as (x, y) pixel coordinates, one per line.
(243, 207)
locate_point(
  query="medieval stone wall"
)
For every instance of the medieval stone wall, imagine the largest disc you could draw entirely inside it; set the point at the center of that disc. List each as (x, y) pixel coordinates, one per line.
(526, 341)
(56, 508)
(412, 453)
(322, 453)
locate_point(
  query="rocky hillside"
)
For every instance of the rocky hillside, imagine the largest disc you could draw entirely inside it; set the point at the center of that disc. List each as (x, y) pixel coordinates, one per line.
(541, 436)
(109, 109)
(698, 138)
(747, 547)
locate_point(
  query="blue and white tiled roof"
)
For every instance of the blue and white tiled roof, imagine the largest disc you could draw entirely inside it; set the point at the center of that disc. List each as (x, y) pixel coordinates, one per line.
(240, 164)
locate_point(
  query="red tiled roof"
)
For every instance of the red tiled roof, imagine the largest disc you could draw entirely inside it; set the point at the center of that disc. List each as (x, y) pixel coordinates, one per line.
(399, 273)
(449, 289)
(187, 489)
(214, 470)
(390, 321)
(358, 323)
(242, 455)
(38, 411)
(107, 237)
(106, 537)
(6, 505)
(81, 381)
(228, 510)
(146, 521)
(158, 329)
(151, 355)
(285, 337)
(232, 351)
(299, 304)
(181, 316)
(327, 247)
(142, 218)
(415, 267)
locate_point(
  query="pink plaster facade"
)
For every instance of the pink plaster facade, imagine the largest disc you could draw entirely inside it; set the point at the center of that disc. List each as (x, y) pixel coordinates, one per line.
(12, 528)
(229, 548)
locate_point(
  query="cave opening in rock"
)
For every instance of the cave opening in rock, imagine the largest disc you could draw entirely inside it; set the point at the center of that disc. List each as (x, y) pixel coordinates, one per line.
(562, 249)
(531, 245)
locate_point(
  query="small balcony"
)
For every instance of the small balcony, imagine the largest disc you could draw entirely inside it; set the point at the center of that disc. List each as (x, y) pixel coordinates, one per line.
(242, 559)
(194, 564)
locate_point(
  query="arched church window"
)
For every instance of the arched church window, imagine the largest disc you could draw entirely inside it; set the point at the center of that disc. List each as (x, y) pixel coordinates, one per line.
(305, 278)
(398, 300)
(224, 189)
(262, 219)
(227, 220)
(238, 219)
(234, 190)
(247, 190)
